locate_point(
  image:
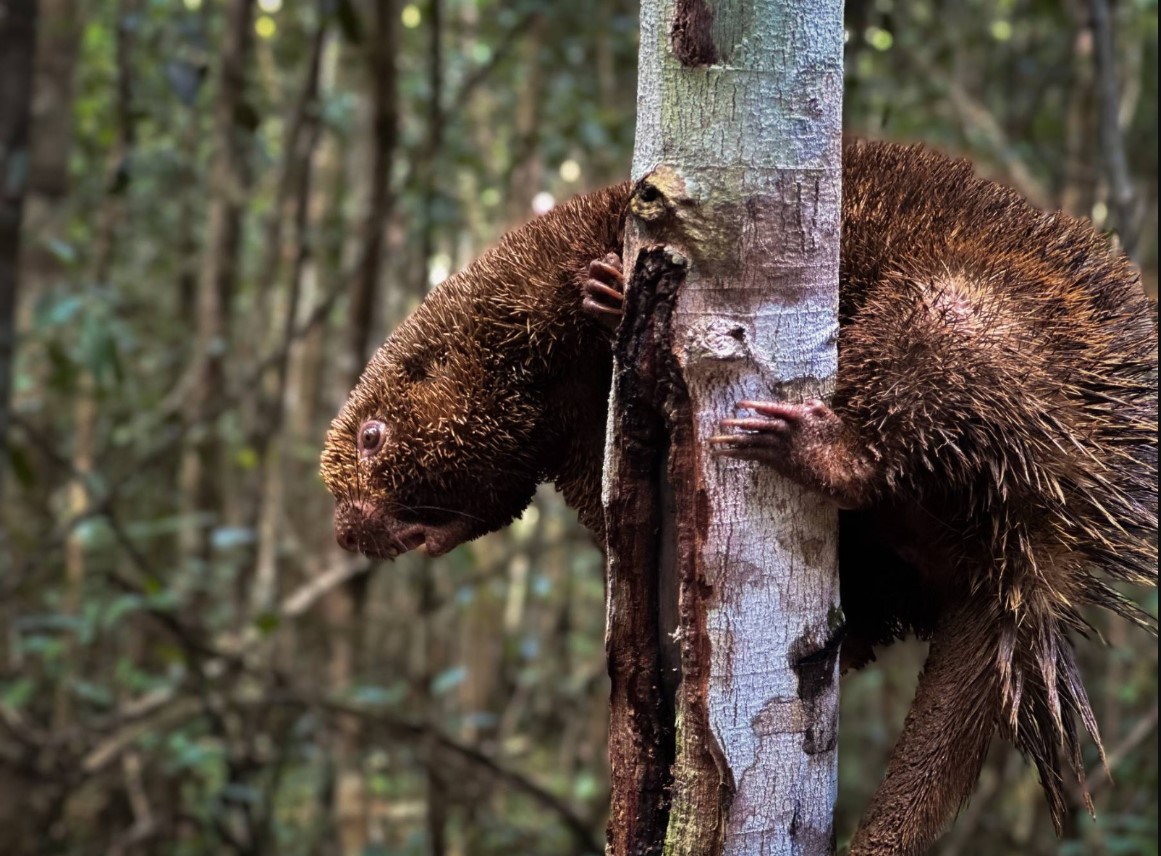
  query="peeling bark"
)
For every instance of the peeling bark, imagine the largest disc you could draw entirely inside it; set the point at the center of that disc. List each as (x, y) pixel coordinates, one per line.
(640, 725)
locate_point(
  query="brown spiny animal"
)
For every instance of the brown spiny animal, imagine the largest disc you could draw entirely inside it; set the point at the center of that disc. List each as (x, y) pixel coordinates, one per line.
(992, 441)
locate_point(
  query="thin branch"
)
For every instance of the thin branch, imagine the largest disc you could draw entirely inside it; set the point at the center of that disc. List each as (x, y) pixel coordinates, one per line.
(304, 597)
(579, 828)
(974, 114)
(1140, 733)
(177, 711)
(107, 751)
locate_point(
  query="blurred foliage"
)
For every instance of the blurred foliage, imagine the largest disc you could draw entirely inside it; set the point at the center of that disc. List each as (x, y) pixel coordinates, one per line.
(276, 696)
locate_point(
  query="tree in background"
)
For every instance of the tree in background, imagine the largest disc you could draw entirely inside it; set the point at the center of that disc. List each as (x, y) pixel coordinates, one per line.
(17, 46)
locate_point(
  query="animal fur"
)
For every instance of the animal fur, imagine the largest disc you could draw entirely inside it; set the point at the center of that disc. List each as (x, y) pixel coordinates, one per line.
(997, 388)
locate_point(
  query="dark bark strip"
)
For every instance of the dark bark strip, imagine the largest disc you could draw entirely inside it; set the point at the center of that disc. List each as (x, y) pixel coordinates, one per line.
(17, 50)
(640, 728)
(1112, 139)
(648, 729)
(230, 175)
(380, 54)
(814, 666)
(692, 33)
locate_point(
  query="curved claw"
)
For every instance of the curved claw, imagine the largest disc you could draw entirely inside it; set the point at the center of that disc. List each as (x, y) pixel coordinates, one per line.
(592, 306)
(757, 424)
(783, 409)
(804, 442)
(594, 288)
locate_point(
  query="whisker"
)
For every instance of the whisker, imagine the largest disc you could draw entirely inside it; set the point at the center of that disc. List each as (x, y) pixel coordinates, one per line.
(398, 506)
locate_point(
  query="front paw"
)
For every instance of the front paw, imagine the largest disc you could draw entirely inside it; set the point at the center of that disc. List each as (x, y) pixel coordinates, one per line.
(779, 431)
(604, 290)
(805, 442)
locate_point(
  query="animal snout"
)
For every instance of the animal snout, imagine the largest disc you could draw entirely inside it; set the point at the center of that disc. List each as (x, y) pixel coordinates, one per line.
(350, 521)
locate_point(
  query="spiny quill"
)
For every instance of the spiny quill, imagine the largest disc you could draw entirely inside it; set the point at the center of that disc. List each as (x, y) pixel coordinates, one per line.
(996, 410)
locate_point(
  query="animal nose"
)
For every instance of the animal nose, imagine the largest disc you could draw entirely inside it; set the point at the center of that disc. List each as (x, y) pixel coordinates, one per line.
(348, 524)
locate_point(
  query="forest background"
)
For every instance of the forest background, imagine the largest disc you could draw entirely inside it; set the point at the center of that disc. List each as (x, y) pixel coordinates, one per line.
(228, 206)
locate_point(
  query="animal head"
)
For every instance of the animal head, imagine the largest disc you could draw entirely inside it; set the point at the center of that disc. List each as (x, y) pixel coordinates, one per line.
(467, 406)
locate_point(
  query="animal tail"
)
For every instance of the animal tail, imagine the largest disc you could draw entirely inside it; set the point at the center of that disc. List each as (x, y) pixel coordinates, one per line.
(938, 756)
(1042, 698)
(989, 669)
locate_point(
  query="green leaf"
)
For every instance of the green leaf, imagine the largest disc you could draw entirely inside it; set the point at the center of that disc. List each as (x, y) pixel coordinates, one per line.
(120, 607)
(239, 793)
(104, 360)
(93, 692)
(585, 787)
(61, 250)
(448, 680)
(17, 693)
(246, 458)
(267, 622)
(373, 695)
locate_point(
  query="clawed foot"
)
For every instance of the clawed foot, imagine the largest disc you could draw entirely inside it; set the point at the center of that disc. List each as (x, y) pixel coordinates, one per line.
(604, 290)
(804, 442)
(777, 429)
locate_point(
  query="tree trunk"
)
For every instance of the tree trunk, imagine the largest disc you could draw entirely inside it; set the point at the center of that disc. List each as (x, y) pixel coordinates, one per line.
(380, 51)
(21, 797)
(293, 198)
(733, 243)
(17, 52)
(524, 178)
(229, 179)
(110, 217)
(343, 606)
(46, 209)
(1121, 194)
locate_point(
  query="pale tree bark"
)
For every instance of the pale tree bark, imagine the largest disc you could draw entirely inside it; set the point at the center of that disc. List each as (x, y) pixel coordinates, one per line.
(1078, 189)
(732, 241)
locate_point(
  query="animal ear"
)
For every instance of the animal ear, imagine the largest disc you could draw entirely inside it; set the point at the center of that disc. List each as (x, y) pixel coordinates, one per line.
(418, 366)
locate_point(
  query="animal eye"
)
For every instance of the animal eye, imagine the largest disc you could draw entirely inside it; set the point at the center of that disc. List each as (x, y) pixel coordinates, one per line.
(371, 436)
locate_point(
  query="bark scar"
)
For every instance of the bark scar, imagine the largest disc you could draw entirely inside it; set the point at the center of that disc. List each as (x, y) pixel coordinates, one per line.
(692, 33)
(814, 666)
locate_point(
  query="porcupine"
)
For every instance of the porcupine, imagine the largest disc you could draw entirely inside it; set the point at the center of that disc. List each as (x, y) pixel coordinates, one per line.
(991, 443)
